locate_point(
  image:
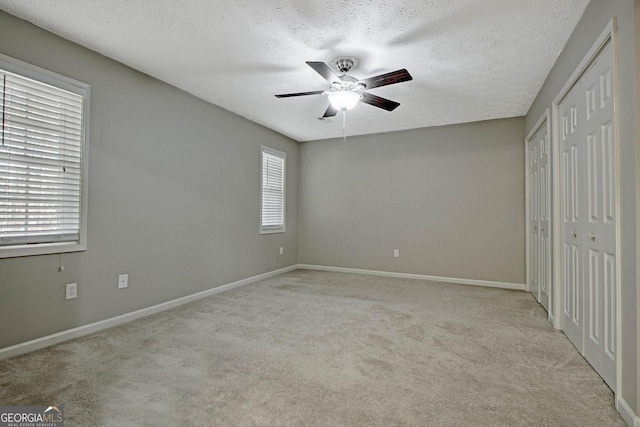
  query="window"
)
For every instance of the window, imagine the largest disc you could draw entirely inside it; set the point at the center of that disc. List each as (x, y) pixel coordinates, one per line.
(42, 161)
(273, 191)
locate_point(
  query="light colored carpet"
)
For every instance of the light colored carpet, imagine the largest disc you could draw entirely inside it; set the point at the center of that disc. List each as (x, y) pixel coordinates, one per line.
(317, 348)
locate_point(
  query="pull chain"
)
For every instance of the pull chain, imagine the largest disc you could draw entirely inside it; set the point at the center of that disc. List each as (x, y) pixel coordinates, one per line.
(344, 125)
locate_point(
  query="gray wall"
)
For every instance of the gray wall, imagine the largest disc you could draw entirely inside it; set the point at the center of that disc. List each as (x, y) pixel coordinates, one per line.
(450, 198)
(174, 196)
(593, 22)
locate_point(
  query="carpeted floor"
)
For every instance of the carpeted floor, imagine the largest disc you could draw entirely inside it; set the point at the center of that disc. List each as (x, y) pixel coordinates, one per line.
(316, 348)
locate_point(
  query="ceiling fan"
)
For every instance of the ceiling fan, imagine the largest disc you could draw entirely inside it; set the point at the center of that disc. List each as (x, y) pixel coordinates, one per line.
(345, 91)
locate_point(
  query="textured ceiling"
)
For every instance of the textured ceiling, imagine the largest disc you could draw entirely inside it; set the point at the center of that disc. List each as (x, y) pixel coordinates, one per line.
(470, 60)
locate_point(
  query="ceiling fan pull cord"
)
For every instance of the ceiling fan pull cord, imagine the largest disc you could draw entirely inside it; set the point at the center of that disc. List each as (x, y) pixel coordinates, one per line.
(344, 123)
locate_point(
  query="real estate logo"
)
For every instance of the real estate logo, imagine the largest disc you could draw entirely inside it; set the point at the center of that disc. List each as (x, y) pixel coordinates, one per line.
(31, 416)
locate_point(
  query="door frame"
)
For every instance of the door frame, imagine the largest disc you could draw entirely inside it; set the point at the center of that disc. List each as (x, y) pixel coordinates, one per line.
(608, 35)
(545, 118)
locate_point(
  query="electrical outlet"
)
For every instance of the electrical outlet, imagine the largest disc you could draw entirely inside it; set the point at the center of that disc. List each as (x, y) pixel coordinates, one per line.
(281, 250)
(71, 290)
(396, 253)
(123, 281)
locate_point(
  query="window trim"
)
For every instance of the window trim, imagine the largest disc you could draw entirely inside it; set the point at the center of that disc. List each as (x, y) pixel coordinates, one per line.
(49, 77)
(272, 151)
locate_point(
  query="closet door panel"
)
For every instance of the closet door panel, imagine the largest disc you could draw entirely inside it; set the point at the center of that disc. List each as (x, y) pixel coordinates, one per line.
(533, 217)
(571, 216)
(544, 245)
(599, 226)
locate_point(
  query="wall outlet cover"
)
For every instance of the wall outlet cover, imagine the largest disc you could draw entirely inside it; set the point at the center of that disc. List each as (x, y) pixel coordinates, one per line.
(123, 281)
(71, 291)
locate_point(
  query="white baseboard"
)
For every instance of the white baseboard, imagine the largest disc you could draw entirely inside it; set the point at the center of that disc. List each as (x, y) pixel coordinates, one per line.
(503, 285)
(49, 340)
(627, 413)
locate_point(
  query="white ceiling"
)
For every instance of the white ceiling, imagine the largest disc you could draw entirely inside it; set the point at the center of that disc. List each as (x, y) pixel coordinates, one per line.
(470, 59)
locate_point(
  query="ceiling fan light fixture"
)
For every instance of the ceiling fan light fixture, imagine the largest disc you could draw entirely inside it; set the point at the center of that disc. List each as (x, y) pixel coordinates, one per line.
(344, 99)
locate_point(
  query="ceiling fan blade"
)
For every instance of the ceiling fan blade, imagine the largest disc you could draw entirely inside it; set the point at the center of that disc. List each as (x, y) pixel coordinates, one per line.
(324, 70)
(288, 95)
(331, 111)
(377, 101)
(387, 79)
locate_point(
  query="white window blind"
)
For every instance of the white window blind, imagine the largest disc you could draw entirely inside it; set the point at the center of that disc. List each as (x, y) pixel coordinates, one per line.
(40, 162)
(273, 190)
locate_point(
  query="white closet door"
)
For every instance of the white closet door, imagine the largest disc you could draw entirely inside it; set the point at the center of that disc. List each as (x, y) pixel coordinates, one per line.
(588, 215)
(599, 239)
(544, 213)
(534, 217)
(539, 213)
(571, 214)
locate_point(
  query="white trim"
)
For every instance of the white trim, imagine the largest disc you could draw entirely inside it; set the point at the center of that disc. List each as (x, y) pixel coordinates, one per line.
(556, 239)
(627, 413)
(618, 230)
(473, 282)
(49, 340)
(527, 207)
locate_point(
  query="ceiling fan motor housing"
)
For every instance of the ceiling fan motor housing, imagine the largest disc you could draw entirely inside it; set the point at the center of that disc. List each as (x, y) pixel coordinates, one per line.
(344, 65)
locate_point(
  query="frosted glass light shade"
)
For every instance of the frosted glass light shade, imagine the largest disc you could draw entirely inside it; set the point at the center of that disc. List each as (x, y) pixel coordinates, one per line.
(344, 100)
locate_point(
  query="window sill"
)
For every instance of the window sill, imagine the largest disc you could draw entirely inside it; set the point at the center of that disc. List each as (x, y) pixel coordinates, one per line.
(274, 231)
(40, 249)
